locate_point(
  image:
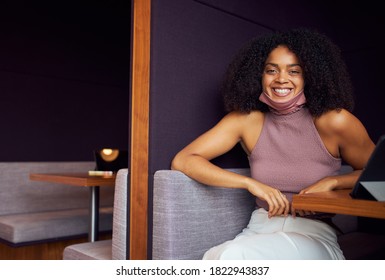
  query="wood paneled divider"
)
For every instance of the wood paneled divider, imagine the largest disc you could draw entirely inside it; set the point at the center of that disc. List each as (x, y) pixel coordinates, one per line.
(139, 140)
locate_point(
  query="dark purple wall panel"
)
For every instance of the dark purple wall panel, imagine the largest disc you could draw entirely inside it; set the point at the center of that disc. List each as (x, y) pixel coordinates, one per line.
(47, 119)
(193, 41)
(192, 45)
(358, 28)
(64, 75)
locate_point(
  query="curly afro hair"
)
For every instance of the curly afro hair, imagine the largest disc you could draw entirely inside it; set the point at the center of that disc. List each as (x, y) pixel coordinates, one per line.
(327, 82)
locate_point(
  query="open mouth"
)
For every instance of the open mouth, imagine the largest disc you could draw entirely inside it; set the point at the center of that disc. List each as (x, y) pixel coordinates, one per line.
(282, 92)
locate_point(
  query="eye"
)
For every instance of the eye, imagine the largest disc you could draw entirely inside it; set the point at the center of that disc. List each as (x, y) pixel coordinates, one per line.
(295, 72)
(271, 71)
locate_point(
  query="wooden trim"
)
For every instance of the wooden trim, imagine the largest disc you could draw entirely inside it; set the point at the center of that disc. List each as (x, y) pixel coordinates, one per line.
(140, 95)
(75, 179)
(339, 202)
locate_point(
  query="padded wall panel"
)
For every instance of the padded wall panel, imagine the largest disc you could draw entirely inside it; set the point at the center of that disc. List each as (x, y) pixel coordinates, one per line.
(277, 14)
(191, 46)
(193, 41)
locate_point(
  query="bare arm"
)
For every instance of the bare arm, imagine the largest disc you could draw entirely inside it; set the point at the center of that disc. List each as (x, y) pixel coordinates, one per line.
(345, 136)
(194, 161)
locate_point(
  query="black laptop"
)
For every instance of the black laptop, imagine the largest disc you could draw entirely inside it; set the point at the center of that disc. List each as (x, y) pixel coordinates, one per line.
(371, 183)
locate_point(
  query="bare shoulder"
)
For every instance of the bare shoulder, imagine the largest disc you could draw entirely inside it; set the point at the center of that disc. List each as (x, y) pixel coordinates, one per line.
(344, 135)
(248, 125)
(338, 122)
(242, 120)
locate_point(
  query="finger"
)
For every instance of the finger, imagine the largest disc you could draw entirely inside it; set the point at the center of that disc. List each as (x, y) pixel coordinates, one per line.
(301, 213)
(281, 204)
(309, 213)
(287, 205)
(293, 211)
(270, 206)
(273, 206)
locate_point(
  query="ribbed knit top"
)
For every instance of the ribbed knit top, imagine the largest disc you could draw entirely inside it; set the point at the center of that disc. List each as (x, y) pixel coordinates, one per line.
(290, 155)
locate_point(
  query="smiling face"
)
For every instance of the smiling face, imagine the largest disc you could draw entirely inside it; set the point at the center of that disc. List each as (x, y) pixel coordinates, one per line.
(282, 77)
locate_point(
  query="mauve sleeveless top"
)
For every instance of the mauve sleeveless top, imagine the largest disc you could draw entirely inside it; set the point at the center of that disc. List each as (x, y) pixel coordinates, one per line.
(290, 155)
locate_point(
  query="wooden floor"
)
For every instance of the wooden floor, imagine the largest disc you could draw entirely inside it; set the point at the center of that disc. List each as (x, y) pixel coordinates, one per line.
(42, 251)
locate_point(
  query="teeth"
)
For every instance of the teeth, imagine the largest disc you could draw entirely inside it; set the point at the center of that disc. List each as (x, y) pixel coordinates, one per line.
(282, 91)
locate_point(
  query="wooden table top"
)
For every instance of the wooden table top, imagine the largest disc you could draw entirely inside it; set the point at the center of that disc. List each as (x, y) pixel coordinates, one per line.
(81, 179)
(339, 202)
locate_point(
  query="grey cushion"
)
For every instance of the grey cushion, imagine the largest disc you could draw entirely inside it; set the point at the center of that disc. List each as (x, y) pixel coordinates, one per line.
(20, 228)
(119, 227)
(33, 211)
(18, 194)
(117, 247)
(99, 250)
(189, 217)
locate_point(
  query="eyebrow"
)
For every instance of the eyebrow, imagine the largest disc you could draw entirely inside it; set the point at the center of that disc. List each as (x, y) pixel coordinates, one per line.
(276, 65)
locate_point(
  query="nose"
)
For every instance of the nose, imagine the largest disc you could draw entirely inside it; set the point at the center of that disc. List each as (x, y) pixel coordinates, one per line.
(282, 77)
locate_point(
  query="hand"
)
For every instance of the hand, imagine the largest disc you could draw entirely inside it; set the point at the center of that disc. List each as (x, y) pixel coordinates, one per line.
(325, 184)
(301, 213)
(277, 201)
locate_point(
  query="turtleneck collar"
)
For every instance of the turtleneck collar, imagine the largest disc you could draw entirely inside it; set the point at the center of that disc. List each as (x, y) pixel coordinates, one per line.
(283, 108)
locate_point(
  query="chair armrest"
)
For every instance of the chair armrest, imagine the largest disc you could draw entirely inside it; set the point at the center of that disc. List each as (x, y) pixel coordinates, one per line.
(189, 217)
(119, 226)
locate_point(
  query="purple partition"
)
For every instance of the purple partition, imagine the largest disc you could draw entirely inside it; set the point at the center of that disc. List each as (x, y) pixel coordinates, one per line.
(192, 43)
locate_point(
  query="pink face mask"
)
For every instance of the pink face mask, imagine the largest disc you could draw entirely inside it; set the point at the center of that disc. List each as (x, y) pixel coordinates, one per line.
(282, 108)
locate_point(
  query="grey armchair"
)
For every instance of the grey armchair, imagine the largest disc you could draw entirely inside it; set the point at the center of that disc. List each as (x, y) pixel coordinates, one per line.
(189, 217)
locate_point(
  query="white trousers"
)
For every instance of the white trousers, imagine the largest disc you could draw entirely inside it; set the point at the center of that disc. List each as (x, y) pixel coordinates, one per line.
(280, 238)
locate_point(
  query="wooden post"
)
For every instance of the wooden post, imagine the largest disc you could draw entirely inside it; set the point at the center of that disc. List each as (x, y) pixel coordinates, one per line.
(140, 96)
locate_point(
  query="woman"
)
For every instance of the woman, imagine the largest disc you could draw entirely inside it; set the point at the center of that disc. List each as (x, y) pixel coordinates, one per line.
(289, 99)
